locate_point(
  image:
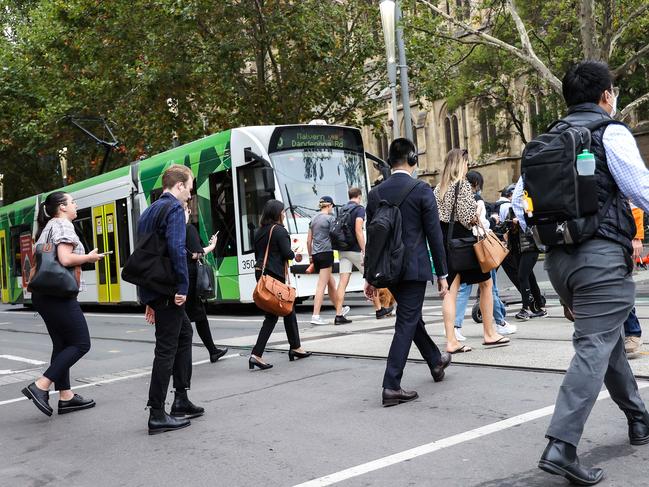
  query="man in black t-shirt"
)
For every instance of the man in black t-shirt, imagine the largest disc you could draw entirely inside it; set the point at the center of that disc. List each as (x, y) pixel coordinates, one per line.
(354, 258)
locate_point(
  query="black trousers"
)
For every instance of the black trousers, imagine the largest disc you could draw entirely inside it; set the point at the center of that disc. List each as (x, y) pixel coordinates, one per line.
(529, 288)
(173, 351)
(69, 333)
(409, 327)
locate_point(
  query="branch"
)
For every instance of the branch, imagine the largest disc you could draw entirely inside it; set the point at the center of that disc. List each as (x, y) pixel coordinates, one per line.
(526, 55)
(625, 25)
(627, 64)
(624, 114)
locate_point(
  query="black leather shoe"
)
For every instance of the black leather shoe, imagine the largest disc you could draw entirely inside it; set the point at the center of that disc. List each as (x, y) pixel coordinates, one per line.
(253, 362)
(184, 408)
(638, 428)
(560, 458)
(292, 355)
(341, 320)
(438, 371)
(40, 398)
(220, 352)
(393, 398)
(160, 421)
(77, 403)
(383, 312)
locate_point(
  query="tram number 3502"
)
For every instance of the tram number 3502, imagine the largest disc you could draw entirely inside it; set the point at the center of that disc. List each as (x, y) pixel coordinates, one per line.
(248, 264)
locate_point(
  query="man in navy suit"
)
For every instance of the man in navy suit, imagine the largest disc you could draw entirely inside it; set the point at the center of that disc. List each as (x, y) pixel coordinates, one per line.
(420, 224)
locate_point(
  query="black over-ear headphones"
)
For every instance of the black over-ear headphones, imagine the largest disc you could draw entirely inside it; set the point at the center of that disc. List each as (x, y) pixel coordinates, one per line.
(412, 158)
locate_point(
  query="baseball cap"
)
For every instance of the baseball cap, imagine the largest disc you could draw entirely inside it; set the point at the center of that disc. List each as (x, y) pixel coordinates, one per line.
(507, 190)
(324, 200)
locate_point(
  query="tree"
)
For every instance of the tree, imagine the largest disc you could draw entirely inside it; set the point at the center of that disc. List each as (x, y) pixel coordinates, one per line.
(223, 64)
(493, 47)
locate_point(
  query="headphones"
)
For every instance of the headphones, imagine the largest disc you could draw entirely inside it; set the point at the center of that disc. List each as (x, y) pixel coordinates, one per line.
(411, 158)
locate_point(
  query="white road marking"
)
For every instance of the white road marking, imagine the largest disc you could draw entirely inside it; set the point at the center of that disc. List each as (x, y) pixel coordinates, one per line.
(22, 359)
(110, 381)
(438, 445)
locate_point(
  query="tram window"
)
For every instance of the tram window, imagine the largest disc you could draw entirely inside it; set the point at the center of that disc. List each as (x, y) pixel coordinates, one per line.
(83, 228)
(155, 194)
(253, 195)
(121, 209)
(14, 236)
(223, 216)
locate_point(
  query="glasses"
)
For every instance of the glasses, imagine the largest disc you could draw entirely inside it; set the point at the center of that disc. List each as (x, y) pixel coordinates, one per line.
(615, 90)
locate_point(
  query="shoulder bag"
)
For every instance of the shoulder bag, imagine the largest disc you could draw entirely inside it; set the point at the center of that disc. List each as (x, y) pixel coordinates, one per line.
(271, 295)
(49, 276)
(460, 253)
(489, 250)
(204, 279)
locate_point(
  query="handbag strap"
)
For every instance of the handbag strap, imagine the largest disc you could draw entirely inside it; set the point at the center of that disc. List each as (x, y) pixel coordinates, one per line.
(263, 266)
(451, 223)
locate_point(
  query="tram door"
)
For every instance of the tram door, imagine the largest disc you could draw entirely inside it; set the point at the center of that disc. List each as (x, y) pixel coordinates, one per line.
(4, 278)
(106, 239)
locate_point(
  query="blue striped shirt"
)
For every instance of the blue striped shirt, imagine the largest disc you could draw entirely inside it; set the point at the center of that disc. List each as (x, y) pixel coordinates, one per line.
(175, 232)
(625, 163)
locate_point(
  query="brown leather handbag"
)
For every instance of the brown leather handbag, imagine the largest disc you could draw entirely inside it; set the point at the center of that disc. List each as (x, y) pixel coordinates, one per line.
(271, 295)
(489, 250)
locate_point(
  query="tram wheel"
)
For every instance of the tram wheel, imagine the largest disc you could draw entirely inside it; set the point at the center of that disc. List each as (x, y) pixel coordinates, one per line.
(476, 313)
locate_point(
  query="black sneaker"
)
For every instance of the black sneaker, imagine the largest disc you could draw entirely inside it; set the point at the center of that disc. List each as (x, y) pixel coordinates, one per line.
(341, 320)
(541, 313)
(523, 315)
(383, 312)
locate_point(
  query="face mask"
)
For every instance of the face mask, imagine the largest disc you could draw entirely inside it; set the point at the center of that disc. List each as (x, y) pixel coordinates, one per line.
(613, 105)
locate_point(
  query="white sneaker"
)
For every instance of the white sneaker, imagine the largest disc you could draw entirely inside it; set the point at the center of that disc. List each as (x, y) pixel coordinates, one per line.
(346, 309)
(316, 320)
(506, 329)
(458, 335)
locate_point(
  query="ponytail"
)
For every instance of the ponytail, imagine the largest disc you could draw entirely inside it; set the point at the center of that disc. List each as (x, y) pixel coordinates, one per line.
(48, 209)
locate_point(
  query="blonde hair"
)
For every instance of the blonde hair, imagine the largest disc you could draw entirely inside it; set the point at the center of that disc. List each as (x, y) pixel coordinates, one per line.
(456, 165)
(175, 174)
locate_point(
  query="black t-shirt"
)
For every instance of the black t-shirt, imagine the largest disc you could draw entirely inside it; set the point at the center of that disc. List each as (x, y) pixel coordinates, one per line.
(357, 212)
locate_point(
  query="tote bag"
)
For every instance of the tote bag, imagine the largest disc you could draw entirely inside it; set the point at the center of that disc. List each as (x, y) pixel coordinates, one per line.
(49, 276)
(461, 255)
(489, 250)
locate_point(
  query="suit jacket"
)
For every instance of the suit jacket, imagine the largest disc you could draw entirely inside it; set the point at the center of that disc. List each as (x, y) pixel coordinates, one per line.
(420, 225)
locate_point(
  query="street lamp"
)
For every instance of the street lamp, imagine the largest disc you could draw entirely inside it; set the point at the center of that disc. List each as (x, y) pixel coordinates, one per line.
(63, 161)
(388, 20)
(393, 34)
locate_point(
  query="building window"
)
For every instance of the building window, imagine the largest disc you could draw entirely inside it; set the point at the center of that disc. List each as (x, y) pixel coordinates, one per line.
(488, 132)
(447, 133)
(452, 132)
(383, 145)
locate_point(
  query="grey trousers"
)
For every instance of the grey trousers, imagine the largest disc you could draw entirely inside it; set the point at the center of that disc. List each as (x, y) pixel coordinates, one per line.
(595, 281)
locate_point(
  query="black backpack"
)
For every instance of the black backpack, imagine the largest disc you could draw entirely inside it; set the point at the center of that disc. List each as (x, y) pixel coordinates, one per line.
(149, 265)
(342, 229)
(385, 251)
(565, 204)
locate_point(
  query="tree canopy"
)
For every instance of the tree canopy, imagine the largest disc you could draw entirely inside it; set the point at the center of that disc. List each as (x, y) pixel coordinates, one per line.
(154, 68)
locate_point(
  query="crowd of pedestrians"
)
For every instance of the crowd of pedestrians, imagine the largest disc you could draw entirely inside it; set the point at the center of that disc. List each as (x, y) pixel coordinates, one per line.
(428, 244)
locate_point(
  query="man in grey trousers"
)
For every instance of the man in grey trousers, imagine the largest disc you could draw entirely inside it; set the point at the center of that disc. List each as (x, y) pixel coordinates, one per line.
(594, 279)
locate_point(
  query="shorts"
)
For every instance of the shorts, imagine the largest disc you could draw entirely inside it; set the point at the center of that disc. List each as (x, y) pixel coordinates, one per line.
(323, 260)
(349, 258)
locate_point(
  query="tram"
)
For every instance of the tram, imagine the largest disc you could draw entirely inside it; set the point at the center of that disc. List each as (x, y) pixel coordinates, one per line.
(236, 171)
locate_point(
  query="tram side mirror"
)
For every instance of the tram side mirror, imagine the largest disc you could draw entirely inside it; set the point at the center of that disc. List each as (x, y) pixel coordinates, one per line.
(268, 176)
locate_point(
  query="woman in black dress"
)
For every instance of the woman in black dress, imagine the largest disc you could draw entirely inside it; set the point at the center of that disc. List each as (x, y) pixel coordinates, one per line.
(465, 216)
(272, 218)
(194, 306)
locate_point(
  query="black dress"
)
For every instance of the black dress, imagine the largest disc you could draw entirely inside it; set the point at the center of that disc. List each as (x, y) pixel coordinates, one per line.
(194, 306)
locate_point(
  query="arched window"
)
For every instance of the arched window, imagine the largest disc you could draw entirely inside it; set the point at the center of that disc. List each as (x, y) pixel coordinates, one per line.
(447, 133)
(488, 131)
(452, 132)
(456, 133)
(383, 145)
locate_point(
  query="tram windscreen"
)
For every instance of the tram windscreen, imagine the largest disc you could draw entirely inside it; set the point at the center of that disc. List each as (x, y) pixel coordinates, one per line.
(306, 175)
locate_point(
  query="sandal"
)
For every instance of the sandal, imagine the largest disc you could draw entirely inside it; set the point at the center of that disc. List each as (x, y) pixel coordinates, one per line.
(462, 349)
(500, 341)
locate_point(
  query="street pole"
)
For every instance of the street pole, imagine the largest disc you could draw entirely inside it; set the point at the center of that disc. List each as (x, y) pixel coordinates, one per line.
(388, 13)
(403, 72)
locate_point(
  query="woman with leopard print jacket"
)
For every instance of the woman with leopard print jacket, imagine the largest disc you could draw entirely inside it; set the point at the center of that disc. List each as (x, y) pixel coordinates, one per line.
(454, 180)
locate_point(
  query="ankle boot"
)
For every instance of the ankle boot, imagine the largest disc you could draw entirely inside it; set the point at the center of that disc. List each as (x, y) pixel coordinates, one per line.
(160, 421)
(560, 458)
(184, 408)
(638, 427)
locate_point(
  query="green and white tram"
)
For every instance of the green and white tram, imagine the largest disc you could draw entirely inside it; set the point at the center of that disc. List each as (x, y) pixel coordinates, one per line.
(236, 172)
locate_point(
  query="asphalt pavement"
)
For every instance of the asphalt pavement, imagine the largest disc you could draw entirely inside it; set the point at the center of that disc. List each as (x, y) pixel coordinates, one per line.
(311, 422)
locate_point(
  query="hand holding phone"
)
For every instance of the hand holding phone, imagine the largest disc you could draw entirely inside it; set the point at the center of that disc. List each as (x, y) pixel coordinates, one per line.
(107, 253)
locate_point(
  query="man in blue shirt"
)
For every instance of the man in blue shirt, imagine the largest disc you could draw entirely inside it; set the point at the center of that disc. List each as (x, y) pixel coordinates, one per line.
(594, 278)
(173, 330)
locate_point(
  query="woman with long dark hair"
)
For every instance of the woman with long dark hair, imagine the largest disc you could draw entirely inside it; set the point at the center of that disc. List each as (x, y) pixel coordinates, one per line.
(194, 306)
(279, 253)
(63, 317)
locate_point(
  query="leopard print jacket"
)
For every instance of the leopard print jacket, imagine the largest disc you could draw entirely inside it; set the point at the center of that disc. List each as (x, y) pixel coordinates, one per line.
(466, 204)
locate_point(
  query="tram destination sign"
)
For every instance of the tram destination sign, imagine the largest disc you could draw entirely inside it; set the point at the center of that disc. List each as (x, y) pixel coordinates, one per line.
(315, 137)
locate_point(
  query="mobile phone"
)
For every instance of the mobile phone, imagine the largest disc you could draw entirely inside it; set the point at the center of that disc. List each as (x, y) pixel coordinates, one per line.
(107, 253)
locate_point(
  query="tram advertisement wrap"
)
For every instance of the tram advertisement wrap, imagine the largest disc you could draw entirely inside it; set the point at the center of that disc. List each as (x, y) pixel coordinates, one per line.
(26, 256)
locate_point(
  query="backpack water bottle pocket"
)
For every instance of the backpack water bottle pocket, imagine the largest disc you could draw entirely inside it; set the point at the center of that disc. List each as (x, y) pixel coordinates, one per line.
(587, 195)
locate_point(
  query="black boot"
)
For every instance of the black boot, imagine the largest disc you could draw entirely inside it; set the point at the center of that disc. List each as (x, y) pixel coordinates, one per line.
(184, 408)
(560, 458)
(638, 427)
(160, 421)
